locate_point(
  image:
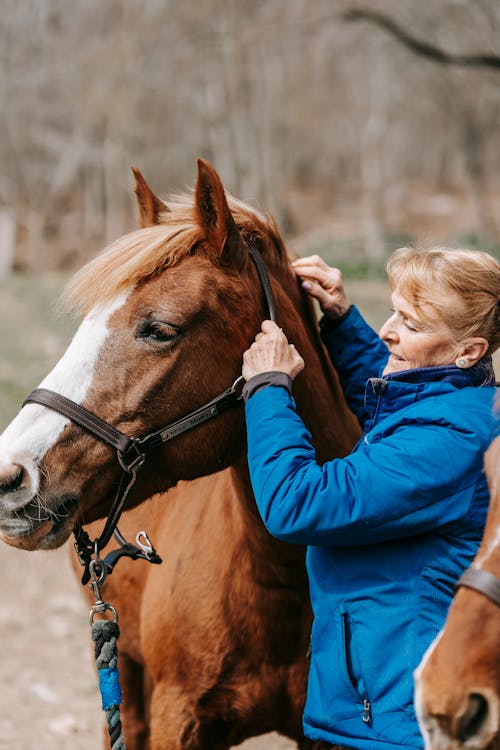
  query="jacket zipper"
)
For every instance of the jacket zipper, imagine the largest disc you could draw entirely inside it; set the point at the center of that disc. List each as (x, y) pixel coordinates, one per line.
(367, 712)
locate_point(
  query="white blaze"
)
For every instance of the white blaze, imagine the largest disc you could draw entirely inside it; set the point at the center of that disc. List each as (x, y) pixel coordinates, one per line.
(36, 428)
(488, 551)
(426, 723)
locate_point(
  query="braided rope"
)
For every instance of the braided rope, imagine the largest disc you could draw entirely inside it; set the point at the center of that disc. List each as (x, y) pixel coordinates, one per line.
(105, 635)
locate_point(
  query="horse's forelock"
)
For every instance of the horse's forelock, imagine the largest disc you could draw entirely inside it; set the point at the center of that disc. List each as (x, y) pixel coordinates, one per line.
(139, 255)
(128, 261)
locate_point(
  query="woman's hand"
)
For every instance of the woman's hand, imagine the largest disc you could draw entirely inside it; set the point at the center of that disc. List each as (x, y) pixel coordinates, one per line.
(271, 352)
(324, 283)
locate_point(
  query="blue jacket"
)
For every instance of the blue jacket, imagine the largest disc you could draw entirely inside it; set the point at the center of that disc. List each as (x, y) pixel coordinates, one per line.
(389, 528)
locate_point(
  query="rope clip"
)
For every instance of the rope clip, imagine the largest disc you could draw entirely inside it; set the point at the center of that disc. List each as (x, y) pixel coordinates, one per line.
(143, 541)
(99, 608)
(97, 572)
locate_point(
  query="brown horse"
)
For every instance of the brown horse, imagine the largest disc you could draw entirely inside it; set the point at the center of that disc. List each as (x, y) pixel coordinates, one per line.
(458, 681)
(222, 627)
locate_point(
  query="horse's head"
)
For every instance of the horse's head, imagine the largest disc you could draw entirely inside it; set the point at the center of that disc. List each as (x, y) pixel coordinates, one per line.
(458, 682)
(169, 310)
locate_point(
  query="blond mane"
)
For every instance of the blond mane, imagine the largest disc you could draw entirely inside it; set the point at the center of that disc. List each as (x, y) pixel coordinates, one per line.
(141, 254)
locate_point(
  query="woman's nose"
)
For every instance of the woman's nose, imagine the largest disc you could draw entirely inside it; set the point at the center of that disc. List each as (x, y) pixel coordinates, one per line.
(388, 332)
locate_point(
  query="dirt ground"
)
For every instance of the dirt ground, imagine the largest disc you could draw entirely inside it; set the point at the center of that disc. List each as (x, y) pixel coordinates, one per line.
(49, 698)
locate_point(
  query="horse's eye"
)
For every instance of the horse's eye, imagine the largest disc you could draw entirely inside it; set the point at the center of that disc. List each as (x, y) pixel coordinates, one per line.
(156, 330)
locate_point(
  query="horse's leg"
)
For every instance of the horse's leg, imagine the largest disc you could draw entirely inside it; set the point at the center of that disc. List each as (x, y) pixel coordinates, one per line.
(173, 726)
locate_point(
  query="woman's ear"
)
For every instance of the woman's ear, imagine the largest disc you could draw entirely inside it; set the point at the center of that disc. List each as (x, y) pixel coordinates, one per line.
(471, 351)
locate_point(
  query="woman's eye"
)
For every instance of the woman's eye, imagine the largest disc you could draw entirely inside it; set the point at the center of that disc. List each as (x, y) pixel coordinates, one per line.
(156, 330)
(410, 325)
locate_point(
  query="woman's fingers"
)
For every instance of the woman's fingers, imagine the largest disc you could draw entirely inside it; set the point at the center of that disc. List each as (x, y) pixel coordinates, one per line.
(271, 352)
(310, 261)
(322, 282)
(269, 326)
(315, 269)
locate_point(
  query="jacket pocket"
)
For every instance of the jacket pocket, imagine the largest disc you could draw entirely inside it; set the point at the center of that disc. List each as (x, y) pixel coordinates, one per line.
(349, 665)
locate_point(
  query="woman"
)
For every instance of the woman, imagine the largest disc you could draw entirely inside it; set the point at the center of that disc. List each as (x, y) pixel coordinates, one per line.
(390, 527)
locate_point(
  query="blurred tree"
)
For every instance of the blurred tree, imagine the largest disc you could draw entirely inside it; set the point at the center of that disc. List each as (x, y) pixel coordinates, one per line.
(319, 120)
(476, 112)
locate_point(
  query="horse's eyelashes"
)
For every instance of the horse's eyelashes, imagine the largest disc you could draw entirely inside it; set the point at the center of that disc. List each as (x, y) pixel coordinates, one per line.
(157, 331)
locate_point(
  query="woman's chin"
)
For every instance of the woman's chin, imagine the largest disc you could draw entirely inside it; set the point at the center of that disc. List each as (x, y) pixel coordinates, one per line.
(396, 364)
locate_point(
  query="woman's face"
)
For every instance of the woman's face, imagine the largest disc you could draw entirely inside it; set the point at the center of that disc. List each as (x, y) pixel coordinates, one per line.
(416, 337)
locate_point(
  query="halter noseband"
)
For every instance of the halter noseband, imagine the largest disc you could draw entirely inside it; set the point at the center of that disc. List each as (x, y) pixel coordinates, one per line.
(132, 452)
(482, 581)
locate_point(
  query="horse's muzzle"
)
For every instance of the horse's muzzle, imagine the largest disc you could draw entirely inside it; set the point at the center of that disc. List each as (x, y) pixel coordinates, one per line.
(26, 520)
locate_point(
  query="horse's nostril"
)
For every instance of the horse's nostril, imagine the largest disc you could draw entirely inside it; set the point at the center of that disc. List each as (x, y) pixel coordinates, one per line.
(12, 478)
(469, 724)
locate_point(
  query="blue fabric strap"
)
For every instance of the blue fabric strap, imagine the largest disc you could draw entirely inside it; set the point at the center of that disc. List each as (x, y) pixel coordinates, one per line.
(109, 685)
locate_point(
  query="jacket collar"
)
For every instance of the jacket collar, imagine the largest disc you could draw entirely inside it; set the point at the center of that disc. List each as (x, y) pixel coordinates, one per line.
(481, 373)
(400, 389)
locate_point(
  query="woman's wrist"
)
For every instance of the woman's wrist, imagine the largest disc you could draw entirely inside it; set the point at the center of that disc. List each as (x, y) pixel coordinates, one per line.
(265, 379)
(329, 321)
(335, 311)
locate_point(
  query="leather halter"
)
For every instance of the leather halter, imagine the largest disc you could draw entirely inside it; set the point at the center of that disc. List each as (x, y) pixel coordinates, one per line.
(132, 452)
(482, 581)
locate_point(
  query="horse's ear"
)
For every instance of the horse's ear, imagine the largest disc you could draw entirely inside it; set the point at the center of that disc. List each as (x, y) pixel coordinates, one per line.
(215, 217)
(150, 206)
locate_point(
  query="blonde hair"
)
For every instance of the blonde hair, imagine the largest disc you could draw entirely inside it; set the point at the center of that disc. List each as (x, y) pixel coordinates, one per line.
(141, 254)
(463, 286)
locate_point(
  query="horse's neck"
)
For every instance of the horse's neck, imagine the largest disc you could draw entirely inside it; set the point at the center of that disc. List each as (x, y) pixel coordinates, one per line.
(320, 402)
(317, 391)
(272, 560)
(489, 552)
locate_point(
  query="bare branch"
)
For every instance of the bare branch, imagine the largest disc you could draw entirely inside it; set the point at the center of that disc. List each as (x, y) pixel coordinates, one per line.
(418, 46)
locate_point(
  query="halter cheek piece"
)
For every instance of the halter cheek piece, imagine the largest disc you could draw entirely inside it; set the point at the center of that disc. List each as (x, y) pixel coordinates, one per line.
(482, 581)
(133, 452)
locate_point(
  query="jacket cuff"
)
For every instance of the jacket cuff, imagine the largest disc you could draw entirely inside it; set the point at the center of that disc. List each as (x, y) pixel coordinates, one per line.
(263, 380)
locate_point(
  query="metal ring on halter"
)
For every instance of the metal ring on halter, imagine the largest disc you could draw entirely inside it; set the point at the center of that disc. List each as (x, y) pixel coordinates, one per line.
(99, 608)
(239, 381)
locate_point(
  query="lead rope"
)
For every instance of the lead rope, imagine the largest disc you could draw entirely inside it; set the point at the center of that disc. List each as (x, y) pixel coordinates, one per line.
(105, 634)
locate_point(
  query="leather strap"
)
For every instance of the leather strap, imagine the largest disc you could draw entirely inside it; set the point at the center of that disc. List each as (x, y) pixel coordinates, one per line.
(481, 580)
(264, 281)
(213, 408)
(82, 417)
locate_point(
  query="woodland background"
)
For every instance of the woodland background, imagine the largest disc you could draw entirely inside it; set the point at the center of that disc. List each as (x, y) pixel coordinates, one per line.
(354, 142)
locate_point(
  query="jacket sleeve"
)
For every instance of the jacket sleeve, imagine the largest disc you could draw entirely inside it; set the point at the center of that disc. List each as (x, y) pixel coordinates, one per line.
(419, 479)
(357, 353)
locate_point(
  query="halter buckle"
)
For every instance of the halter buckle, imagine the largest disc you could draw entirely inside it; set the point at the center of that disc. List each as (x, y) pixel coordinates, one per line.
(131, 463)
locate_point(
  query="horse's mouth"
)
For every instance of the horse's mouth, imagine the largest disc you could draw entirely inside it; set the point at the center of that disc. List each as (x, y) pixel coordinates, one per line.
(36, 527)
